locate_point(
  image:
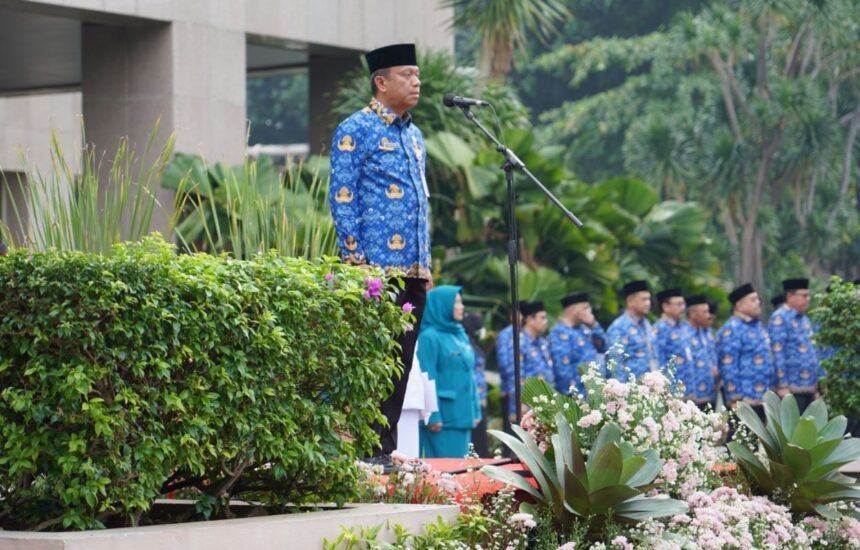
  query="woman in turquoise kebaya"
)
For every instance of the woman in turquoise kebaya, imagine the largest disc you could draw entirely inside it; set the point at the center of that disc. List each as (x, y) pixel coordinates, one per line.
(445, 354)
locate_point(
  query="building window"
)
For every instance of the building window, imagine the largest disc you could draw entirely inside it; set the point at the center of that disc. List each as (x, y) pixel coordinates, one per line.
(278, 107)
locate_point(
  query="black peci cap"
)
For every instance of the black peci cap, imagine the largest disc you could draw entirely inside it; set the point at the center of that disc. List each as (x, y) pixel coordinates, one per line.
(574, 298)
(391, 56)
(633, 287)
(665, 295)
(696, 300)
(530, 308)
(740, 292)
(795, 284)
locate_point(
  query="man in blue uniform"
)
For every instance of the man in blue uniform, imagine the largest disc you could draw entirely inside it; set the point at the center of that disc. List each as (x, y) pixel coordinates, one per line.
(577, 338)
(743, 349)
(379, 199)
(536, 361)
(791, 340)
(673, 339)
(703, 346)
(629, 336)
(505, 362)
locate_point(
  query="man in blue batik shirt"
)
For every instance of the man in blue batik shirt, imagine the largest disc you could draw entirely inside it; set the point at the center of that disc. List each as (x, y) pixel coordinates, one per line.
(673, 339)
(536, 361)
(576, 339)
(743, 349)
(505, 362)
(379, 199)
(703, 346)
(791, 340)
(632, 332)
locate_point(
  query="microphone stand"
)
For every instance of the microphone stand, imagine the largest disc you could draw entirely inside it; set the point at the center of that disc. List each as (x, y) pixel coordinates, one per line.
(512, 162)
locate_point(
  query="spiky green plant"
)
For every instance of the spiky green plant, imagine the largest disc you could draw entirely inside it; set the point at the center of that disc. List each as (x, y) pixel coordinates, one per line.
(93, 207)
(803, 455)
(610, 485)
(251, 208)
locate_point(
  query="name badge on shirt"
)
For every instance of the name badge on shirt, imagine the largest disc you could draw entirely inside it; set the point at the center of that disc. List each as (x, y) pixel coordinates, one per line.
(424, 183)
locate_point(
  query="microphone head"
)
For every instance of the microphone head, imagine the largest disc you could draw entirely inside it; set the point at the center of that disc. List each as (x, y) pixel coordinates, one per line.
(448, 100)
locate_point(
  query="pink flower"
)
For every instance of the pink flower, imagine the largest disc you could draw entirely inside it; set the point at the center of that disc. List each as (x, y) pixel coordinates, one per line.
(374, 288)
(621, 542)
(615, 389)
(408, 308)
(329, 277)
(591, 419)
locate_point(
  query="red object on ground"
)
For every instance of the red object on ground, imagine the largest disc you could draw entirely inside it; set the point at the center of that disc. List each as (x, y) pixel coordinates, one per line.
(474, 483)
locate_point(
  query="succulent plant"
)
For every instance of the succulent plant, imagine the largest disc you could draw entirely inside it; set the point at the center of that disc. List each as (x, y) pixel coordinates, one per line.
(611, 483)
(804, 454)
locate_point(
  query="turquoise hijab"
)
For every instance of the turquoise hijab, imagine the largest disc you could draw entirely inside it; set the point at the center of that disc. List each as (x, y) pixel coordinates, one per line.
(439, 311)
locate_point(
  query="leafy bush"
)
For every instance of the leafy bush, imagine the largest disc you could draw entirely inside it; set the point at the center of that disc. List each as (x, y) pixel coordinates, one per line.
(837, 316)
(128, 376)
(804, 454)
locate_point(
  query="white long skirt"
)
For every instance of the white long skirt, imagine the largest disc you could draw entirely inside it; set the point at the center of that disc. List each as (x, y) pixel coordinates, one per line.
(407, 432)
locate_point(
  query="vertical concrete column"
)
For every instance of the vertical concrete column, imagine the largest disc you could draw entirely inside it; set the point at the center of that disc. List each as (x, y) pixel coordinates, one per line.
(126, 86)
(190, 76)
(209, 89)
(324, 74)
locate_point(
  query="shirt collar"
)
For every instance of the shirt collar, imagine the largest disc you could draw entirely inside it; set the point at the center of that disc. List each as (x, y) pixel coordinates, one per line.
(752, 321)
(640, 322)
(388, 116)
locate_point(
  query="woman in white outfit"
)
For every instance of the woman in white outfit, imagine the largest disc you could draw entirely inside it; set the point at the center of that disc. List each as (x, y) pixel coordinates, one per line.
(418, 405)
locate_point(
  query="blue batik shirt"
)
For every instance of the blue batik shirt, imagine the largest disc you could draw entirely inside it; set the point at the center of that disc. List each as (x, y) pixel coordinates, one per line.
(635, 337)
(673, 343)
(378, 193)
(571, 346)
(746, 366)
(481, 378)
(505, 362)
(535, 358)
(704, 350)
(794, 353)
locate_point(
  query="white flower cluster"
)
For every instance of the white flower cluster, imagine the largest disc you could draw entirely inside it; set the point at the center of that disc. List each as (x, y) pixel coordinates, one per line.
(727, 519)
(652, 416)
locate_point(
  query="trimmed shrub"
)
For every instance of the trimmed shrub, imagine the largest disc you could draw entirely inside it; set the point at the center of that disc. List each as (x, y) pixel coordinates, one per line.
(837, 337)
(126, 377)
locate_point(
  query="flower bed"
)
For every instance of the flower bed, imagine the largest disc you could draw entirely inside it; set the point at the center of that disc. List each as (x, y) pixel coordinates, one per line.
(597, 486)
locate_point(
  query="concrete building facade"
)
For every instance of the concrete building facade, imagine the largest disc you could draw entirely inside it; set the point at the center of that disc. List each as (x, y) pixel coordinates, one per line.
(123, 64)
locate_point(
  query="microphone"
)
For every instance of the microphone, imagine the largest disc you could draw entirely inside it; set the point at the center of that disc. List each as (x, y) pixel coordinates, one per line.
(451, 100)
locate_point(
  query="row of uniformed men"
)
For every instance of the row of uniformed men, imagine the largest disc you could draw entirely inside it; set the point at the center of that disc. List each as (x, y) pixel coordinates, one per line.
(745, 357)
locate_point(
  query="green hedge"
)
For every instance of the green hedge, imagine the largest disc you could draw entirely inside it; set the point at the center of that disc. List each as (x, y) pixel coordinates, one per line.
(124, 378)
(837, 319)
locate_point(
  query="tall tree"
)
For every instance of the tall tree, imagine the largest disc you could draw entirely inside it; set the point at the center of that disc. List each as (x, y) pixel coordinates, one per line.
(750, 106)
(502, 26)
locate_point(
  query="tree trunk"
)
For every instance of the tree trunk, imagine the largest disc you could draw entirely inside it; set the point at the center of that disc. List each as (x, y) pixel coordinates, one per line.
(751, 253)
(497, 56)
